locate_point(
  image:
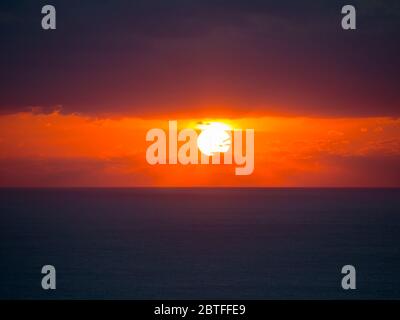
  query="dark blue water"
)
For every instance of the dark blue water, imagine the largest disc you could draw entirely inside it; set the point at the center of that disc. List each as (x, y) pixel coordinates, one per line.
(200, 243)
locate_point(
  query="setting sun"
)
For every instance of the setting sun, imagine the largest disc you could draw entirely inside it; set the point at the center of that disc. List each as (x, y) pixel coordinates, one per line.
(214, 138)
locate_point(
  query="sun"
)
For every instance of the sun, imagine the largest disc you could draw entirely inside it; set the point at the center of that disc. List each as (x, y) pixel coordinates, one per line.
(214, 138)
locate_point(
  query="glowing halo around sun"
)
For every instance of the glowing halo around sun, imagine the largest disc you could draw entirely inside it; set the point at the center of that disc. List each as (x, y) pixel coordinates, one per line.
(214, 138)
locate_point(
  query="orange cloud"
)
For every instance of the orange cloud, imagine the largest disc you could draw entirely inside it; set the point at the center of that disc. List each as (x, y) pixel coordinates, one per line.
(73, 150)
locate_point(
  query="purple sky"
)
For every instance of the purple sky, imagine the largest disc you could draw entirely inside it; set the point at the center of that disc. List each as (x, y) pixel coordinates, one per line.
(157, 57)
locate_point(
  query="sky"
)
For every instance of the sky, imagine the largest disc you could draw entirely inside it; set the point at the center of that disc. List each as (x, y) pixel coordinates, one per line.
(76, 102)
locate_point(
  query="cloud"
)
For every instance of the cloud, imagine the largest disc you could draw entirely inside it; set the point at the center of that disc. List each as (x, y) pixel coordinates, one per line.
(74, 172)
(152, 58)
(73, 150)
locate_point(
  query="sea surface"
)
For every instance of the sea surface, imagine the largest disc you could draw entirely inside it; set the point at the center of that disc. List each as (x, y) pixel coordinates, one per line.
(200, 243)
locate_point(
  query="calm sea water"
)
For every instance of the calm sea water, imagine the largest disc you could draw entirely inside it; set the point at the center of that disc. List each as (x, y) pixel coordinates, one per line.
(200, 243)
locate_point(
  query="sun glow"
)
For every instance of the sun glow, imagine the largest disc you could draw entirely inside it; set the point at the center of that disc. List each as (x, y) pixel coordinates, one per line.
(214, 137)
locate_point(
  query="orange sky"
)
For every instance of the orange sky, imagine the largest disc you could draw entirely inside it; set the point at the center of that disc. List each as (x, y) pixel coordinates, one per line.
(73, 150)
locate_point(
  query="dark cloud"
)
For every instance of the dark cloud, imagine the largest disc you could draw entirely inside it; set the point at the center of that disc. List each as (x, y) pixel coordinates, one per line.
(335, 171)
(342, 171)
(368, 170)
(64, 172)
(151, 57)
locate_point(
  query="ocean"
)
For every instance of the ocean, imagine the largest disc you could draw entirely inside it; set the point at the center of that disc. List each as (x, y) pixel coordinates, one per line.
(204, 243)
